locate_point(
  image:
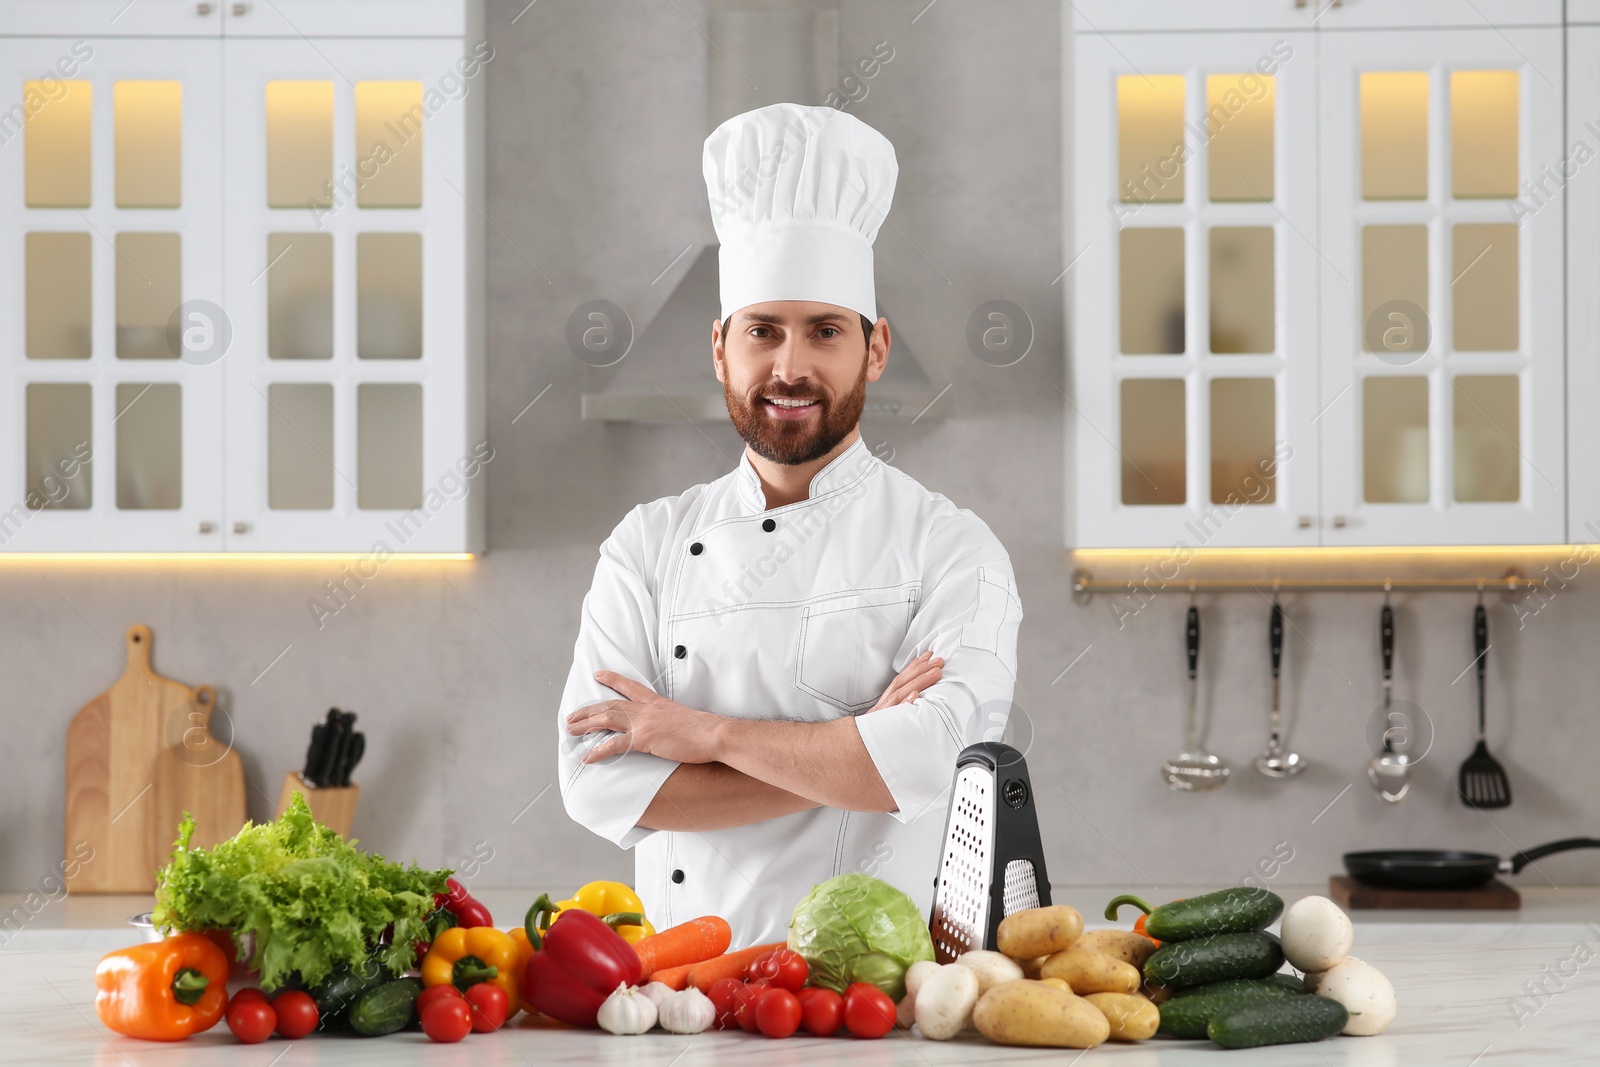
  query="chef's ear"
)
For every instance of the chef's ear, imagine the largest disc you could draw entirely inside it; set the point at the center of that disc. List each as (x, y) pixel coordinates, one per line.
(718, 352)
(878, 350)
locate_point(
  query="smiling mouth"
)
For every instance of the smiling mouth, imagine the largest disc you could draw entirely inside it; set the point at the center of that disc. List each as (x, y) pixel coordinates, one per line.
(791, 404)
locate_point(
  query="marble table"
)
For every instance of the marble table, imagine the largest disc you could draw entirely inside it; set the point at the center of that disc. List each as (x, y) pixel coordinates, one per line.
(1530, 988)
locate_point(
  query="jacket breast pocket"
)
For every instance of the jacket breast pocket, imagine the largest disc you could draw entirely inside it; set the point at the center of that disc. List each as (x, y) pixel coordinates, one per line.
(847, 645)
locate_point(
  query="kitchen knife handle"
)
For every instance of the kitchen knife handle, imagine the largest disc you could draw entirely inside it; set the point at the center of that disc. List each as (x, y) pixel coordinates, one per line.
(1276, 632)
(1386, 629)
(1194, 641)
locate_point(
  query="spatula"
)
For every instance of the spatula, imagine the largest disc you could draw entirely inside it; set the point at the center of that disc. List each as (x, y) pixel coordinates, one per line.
(1483, 782)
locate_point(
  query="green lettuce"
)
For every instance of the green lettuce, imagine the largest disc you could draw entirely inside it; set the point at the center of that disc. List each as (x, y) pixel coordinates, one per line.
(302, 899)
(856, 928)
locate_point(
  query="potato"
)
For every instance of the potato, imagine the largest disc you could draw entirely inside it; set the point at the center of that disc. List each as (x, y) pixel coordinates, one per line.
(1030, 968)
(1364, 991)
(1132, 1017)
(1317, 934)
(905, 1012)
(1038, 931)
(945, 1002)
(1124, 945)
(1031, 1013)
(1057, 983)
(1088, 971)
(991, 968)
(918, 973)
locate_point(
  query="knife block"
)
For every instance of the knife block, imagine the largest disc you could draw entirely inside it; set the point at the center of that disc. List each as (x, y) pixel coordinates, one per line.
(333, 807)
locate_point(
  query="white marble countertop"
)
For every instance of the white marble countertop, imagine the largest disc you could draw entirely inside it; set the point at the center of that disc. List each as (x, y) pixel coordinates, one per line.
(1455, 1008)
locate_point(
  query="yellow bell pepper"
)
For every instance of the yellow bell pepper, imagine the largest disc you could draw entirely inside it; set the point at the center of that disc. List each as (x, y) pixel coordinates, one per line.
(601, 899)
(464, 956)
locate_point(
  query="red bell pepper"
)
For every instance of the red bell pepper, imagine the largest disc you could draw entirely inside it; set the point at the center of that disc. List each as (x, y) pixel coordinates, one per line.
(455, 908)
(581, 962)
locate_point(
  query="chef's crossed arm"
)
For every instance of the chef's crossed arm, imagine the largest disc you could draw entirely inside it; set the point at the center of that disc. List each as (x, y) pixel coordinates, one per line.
(663, 766)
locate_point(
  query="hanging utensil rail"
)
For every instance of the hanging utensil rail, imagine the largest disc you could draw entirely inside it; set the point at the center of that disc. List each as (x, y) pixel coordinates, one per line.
(1512, 584)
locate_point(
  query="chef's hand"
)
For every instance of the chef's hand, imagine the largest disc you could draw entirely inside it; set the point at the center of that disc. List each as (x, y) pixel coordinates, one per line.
(645, 721)
(908, 685)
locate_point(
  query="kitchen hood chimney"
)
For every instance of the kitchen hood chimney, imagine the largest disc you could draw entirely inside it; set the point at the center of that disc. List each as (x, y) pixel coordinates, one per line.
(792, 47)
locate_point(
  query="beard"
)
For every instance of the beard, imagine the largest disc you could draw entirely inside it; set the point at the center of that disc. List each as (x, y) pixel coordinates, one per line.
(803, 440)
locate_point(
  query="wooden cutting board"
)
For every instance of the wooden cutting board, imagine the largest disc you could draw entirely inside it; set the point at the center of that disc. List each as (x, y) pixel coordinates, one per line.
(199, 773)
(115, 765)
(1493, 895)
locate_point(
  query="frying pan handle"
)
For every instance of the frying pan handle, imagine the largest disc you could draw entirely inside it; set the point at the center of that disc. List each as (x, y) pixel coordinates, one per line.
(1275, 632)
(1522, 859)
(1386, 629)
(1194, 641)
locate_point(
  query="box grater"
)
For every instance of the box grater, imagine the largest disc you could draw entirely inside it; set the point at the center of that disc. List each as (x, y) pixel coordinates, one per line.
(993, 861)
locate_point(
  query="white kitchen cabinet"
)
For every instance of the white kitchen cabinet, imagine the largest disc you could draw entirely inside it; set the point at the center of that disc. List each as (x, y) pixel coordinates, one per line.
(1577, 169)
(1442, 351)
(1167, 16)
(1374, 438)
(321, 212)
(1194, 292)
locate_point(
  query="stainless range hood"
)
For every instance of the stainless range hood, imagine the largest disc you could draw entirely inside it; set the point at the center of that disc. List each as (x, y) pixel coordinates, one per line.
(667, 376)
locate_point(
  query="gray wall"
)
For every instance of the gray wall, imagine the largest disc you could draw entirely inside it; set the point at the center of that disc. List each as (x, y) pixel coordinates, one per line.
(596, 116)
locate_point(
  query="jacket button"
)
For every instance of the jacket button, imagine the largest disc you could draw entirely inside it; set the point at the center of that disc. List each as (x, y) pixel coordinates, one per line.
(677, 877)
(769, 525)
(696, 548)
(680, 652)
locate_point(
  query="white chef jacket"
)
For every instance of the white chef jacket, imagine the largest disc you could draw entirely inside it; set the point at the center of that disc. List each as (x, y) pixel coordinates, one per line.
(802, 612)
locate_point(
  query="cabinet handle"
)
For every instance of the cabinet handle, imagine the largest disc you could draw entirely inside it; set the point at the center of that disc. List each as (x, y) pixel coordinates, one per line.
(1304, 522)
(1336, 3)
(241, 527)
(1340, 522)
(202, 10)
(208, 527)
(241, 9)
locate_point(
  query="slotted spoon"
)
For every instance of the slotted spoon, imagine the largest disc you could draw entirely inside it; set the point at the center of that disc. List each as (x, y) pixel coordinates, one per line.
(1482, 782)
(1194, 770)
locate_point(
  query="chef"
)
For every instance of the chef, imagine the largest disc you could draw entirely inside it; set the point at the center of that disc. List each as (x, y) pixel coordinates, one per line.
(775, 671)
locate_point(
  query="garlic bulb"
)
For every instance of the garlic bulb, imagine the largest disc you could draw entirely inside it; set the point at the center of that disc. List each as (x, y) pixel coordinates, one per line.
(687, 1012)
(657, 992)
(627, 1011)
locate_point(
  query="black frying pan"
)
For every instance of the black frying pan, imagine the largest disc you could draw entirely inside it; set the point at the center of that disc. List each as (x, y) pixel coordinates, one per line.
(1446, 869)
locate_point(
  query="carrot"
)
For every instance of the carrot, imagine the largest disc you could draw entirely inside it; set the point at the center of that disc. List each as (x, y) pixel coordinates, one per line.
(674, 977)
(699, 939)
(704, 975)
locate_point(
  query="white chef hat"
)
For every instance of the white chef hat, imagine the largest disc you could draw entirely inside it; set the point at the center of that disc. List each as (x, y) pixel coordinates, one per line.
(797, 195)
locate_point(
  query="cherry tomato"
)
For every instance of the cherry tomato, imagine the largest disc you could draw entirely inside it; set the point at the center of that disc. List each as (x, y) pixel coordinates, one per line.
(433, 993)
(745, 1005)
(777, 1013)
(782, 967)
(821, 1011)
(297, 1014)
(868, 1011)
(723, 996)
(490, 1006)
(447, 1019)
(251, 1019)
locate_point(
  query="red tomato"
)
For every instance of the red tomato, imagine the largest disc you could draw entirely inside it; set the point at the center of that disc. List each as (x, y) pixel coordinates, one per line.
(296, 1012)
(250, 994)
(251, 1019)
(782, 967)
(868, 1011)
(745, 1005)
(490, 1006)
(821, 1011)
(777, 1013)
(447, 1019)
(723, 996)
(433, 993)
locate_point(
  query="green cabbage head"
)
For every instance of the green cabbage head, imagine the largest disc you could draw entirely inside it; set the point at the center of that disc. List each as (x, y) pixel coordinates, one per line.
(856, 928)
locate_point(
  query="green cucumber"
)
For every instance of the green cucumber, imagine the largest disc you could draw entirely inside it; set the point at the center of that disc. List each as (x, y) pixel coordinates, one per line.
(1188, 1017)
(1227, 911)
(1278, 1021)
(1218, 958)
(387, 1009)
(1280, 984)
(336, 996)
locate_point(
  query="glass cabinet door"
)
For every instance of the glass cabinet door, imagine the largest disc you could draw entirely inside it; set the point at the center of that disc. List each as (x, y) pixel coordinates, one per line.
(347, 215)
(1441, 288)
(1193, 308)
(112, 392)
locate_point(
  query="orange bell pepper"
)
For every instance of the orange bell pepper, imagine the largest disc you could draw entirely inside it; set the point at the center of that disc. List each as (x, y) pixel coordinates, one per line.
(163, 990)
(464, 956)
(519, 937)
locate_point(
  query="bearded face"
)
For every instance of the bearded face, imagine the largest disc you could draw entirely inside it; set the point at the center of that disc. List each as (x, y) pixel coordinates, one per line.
(795, 422)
